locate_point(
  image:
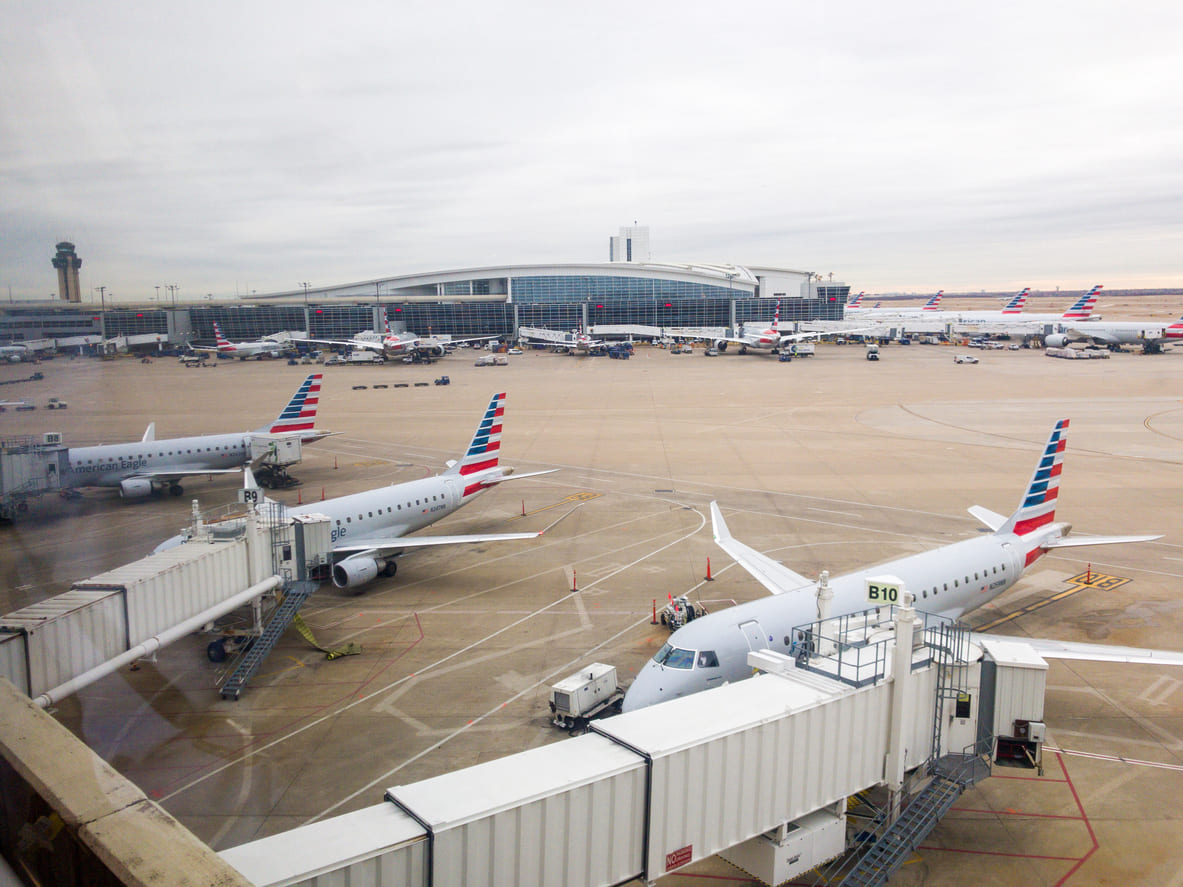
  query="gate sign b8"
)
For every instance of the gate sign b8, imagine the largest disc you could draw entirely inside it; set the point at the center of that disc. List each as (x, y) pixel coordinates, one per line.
(881, 591)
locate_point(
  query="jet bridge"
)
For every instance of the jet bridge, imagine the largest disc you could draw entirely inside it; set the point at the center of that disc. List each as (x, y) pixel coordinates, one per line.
(759, 771)
(30, 467)
(55, 647)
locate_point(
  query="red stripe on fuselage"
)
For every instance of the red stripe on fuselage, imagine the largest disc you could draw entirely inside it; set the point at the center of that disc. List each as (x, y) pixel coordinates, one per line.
(473, 488)
(478, 466)
(302, 426)
(1023, 527)
(1033, 555)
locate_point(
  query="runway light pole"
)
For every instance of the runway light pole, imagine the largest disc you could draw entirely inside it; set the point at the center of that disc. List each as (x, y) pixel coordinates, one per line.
(305, 284)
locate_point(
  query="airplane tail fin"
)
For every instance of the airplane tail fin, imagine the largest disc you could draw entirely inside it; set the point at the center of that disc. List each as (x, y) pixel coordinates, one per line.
(221, 340)
(300, 413)
(934, 303)
(1015, 305)
(1083, 307)
(1038, 507)
(776, 318)
(856, 302)
(485, 447)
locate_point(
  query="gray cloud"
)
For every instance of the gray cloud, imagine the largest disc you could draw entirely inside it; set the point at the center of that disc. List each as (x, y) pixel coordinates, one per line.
(907, 146)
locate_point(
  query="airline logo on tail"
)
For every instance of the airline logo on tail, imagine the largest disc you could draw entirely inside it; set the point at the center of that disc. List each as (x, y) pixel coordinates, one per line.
(1039, 502)
(1175, 330)
(300, 413)
(1015, 305)
(856, 302)
(934, 303)
(1083, 306)
(222, 342)
(484, 450)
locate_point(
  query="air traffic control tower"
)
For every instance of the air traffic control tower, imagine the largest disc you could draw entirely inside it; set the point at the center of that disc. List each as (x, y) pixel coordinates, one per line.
(67, 263)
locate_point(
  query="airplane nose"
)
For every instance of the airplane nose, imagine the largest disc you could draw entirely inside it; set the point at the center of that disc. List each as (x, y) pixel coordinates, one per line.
(645, 689)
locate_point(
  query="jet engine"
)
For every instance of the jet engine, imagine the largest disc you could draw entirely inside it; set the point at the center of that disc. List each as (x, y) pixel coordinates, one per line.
(135, 488)
(1056, 340)
(721, 345)
(360, 569)
(437, 351)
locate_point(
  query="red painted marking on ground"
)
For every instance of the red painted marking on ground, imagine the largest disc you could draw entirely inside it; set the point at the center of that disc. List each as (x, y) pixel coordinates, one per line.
(1083, 817)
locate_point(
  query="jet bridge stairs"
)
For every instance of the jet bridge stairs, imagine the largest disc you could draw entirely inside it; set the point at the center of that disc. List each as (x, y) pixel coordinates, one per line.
(294, 596)
(940, 782)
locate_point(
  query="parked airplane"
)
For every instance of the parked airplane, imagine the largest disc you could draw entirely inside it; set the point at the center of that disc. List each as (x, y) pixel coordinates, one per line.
(575, 342)
(753, 338)
(1080, 310)
(369, 529)
(260, 349)
(399, 345)
(950, 581)
(1150, 334)
(1006, 321)
(14, 353)
(142, 468)
(932, 304)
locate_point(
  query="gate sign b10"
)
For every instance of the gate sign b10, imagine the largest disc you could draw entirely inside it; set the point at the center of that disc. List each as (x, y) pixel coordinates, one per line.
(884, 591)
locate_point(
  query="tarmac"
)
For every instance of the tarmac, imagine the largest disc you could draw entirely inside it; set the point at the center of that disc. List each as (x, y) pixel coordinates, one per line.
(827, 463)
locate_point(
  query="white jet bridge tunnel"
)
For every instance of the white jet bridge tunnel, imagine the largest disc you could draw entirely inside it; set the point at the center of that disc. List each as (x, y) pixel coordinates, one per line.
(759, 771)
(57, 646)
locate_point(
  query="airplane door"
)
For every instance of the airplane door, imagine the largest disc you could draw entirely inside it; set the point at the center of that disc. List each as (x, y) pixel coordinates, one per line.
(754, 634)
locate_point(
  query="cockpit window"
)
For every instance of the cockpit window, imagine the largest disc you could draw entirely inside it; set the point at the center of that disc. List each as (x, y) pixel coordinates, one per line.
(707, 659)
(674, 657)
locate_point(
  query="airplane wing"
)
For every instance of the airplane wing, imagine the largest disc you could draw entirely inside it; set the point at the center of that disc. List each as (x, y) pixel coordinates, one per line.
(351, 343)
(1052, 649)
(773, 575)
(821, 334)
(544, 335)
(167, 473)
(382, 545)
(387, 545)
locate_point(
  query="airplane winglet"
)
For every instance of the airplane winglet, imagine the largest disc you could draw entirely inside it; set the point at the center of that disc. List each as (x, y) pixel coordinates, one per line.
(149, 434)
(772, 574)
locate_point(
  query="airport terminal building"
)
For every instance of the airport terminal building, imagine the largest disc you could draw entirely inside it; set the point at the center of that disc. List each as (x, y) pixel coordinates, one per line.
(466, 302)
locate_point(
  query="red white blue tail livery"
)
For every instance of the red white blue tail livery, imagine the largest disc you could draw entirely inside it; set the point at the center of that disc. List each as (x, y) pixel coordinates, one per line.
(1083, 307)
(299, 416)
(1015, 305)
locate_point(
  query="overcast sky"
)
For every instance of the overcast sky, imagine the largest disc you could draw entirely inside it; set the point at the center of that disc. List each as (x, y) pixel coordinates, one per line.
(236, 147)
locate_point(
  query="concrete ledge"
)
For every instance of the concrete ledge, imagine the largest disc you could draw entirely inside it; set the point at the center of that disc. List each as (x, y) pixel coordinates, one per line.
(134, 837)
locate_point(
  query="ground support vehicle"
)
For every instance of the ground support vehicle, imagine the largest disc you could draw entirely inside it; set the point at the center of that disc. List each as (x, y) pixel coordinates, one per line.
(588, 693)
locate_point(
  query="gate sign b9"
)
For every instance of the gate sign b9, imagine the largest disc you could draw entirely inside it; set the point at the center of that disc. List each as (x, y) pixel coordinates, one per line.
(882, 591)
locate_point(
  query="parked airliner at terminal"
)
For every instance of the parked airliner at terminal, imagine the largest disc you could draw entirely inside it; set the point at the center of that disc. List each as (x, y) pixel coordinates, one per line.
(949, 581)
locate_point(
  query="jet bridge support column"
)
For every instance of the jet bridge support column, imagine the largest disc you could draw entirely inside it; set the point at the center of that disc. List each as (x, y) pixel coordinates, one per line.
(825, 601)
(901, 672)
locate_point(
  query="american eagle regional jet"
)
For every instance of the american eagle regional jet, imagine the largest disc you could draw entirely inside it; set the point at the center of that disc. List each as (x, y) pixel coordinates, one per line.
(952, 580)
(150, 465)
(369, 529)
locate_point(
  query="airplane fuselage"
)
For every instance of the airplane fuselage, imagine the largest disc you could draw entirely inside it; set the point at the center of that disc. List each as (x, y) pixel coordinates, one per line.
(109, 465)
(392, 511)
(712, 649)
